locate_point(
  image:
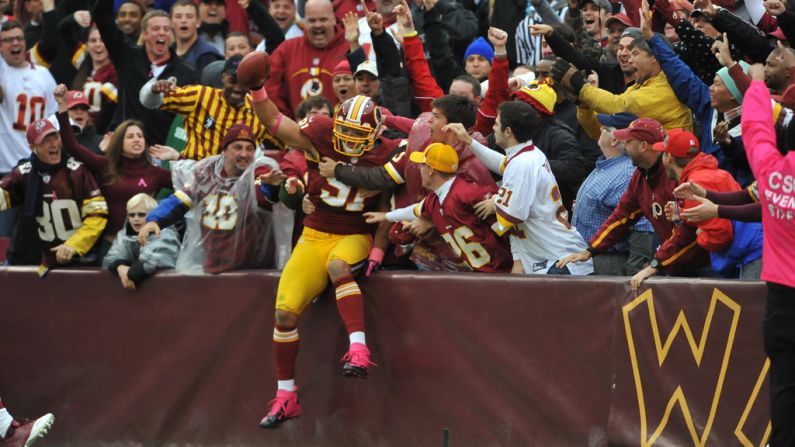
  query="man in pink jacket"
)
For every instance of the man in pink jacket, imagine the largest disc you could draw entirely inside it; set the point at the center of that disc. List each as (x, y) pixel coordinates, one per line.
(775, 174)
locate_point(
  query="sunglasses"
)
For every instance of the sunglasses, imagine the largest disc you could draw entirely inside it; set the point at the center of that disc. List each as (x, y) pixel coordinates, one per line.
(134, 215)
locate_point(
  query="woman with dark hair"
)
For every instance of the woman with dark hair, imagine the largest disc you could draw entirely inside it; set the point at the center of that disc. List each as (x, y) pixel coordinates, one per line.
(123, 172)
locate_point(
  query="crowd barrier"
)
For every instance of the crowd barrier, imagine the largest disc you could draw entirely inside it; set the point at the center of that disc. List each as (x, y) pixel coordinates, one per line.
(493, 360)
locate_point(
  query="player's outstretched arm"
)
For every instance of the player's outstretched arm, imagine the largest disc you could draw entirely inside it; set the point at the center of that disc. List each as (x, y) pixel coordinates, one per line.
(279, 125)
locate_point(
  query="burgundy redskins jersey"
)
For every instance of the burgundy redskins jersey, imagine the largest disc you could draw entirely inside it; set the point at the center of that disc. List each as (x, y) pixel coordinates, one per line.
(338, 207)
(470, 238)
(70, 198)
(234, 216)
(432, 252)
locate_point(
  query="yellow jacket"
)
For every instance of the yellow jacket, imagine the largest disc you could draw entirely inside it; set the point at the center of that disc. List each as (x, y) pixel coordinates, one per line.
(652, 99)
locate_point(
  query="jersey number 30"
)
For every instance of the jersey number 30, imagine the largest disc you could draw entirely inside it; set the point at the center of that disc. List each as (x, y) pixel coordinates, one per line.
(474, 253)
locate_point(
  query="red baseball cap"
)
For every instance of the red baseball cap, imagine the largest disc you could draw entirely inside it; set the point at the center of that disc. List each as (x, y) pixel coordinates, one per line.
(643, 129)
(620, 17)
(76, 98)
(38, 130)
(680, 143)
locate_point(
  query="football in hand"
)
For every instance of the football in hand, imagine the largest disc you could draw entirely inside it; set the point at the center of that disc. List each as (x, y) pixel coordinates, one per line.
(254, 69)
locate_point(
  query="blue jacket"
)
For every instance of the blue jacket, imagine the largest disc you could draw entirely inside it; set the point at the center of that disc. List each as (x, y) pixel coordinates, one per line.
(746, 247)
(692, 91)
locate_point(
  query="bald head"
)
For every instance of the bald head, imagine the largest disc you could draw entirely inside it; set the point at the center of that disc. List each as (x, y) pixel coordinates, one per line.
(320, 22)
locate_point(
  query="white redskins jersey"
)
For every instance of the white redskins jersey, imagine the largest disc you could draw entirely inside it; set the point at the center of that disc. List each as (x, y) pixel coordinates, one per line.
(529, 199)
(28, 97)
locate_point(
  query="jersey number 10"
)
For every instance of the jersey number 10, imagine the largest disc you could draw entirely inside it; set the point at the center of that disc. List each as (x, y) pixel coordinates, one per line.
(28, 111)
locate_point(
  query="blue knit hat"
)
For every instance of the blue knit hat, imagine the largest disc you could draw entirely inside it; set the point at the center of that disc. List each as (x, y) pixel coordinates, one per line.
(480, 47)
(730, 84)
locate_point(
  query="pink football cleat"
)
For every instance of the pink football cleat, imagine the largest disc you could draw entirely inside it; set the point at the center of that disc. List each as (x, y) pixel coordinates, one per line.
(356, 361)
(284, 407)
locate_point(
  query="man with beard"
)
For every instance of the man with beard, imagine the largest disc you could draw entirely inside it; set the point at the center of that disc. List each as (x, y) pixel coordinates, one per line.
(209, 112)
(138, 64)
(303, 66)
(232, 194)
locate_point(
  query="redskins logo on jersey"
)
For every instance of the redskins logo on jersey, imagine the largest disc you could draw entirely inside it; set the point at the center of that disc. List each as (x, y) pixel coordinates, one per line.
(312, 87)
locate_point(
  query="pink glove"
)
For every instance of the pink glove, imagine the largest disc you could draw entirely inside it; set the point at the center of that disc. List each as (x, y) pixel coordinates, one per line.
(374, 261)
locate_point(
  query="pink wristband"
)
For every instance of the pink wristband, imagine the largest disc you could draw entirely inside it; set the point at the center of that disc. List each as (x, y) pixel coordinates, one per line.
(259, 95)
(376, 254)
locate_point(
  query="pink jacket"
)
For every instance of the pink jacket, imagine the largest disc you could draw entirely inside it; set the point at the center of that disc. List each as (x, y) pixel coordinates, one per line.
(775, 175)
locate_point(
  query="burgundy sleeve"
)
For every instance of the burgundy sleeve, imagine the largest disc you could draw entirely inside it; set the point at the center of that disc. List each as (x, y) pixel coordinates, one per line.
(730, 198)
(750, 212)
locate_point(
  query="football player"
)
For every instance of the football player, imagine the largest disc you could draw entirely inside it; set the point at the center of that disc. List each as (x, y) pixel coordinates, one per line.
(335, 241)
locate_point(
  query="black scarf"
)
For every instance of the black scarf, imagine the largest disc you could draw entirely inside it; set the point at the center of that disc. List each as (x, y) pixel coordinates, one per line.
(33, 197)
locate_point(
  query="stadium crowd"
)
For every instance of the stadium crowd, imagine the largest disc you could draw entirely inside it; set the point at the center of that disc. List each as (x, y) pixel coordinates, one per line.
(534, 137)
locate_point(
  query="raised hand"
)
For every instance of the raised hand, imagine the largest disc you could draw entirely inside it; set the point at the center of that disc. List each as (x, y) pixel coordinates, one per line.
(60, 96)
(376, 23)
(244, 3)
(757, 72)
(775, 7)
(722, 52)
(498, 39)
(351, 23)
(459, 131)
(404, 18)
(645, 20)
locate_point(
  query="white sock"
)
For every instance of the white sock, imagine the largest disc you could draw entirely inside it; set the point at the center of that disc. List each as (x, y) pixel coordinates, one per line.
(356, 337)
(286, 385)
(5, 422)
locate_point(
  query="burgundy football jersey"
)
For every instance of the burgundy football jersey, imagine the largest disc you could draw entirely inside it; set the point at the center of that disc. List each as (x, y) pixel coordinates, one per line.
(235, 218)
(69, 195)
(470, 238)
(339, 207)
(432, 252)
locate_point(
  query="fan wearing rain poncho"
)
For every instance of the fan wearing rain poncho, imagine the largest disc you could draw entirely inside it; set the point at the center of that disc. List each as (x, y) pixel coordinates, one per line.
(231, 194)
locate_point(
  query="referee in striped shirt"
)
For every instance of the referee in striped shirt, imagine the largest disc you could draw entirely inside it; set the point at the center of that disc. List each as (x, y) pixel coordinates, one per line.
(208, 111)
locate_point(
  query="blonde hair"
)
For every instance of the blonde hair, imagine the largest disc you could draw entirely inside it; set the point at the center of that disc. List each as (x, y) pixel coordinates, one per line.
(142, 199)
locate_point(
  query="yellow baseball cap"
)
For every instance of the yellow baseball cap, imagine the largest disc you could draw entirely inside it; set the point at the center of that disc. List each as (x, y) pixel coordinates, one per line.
(439, 156)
